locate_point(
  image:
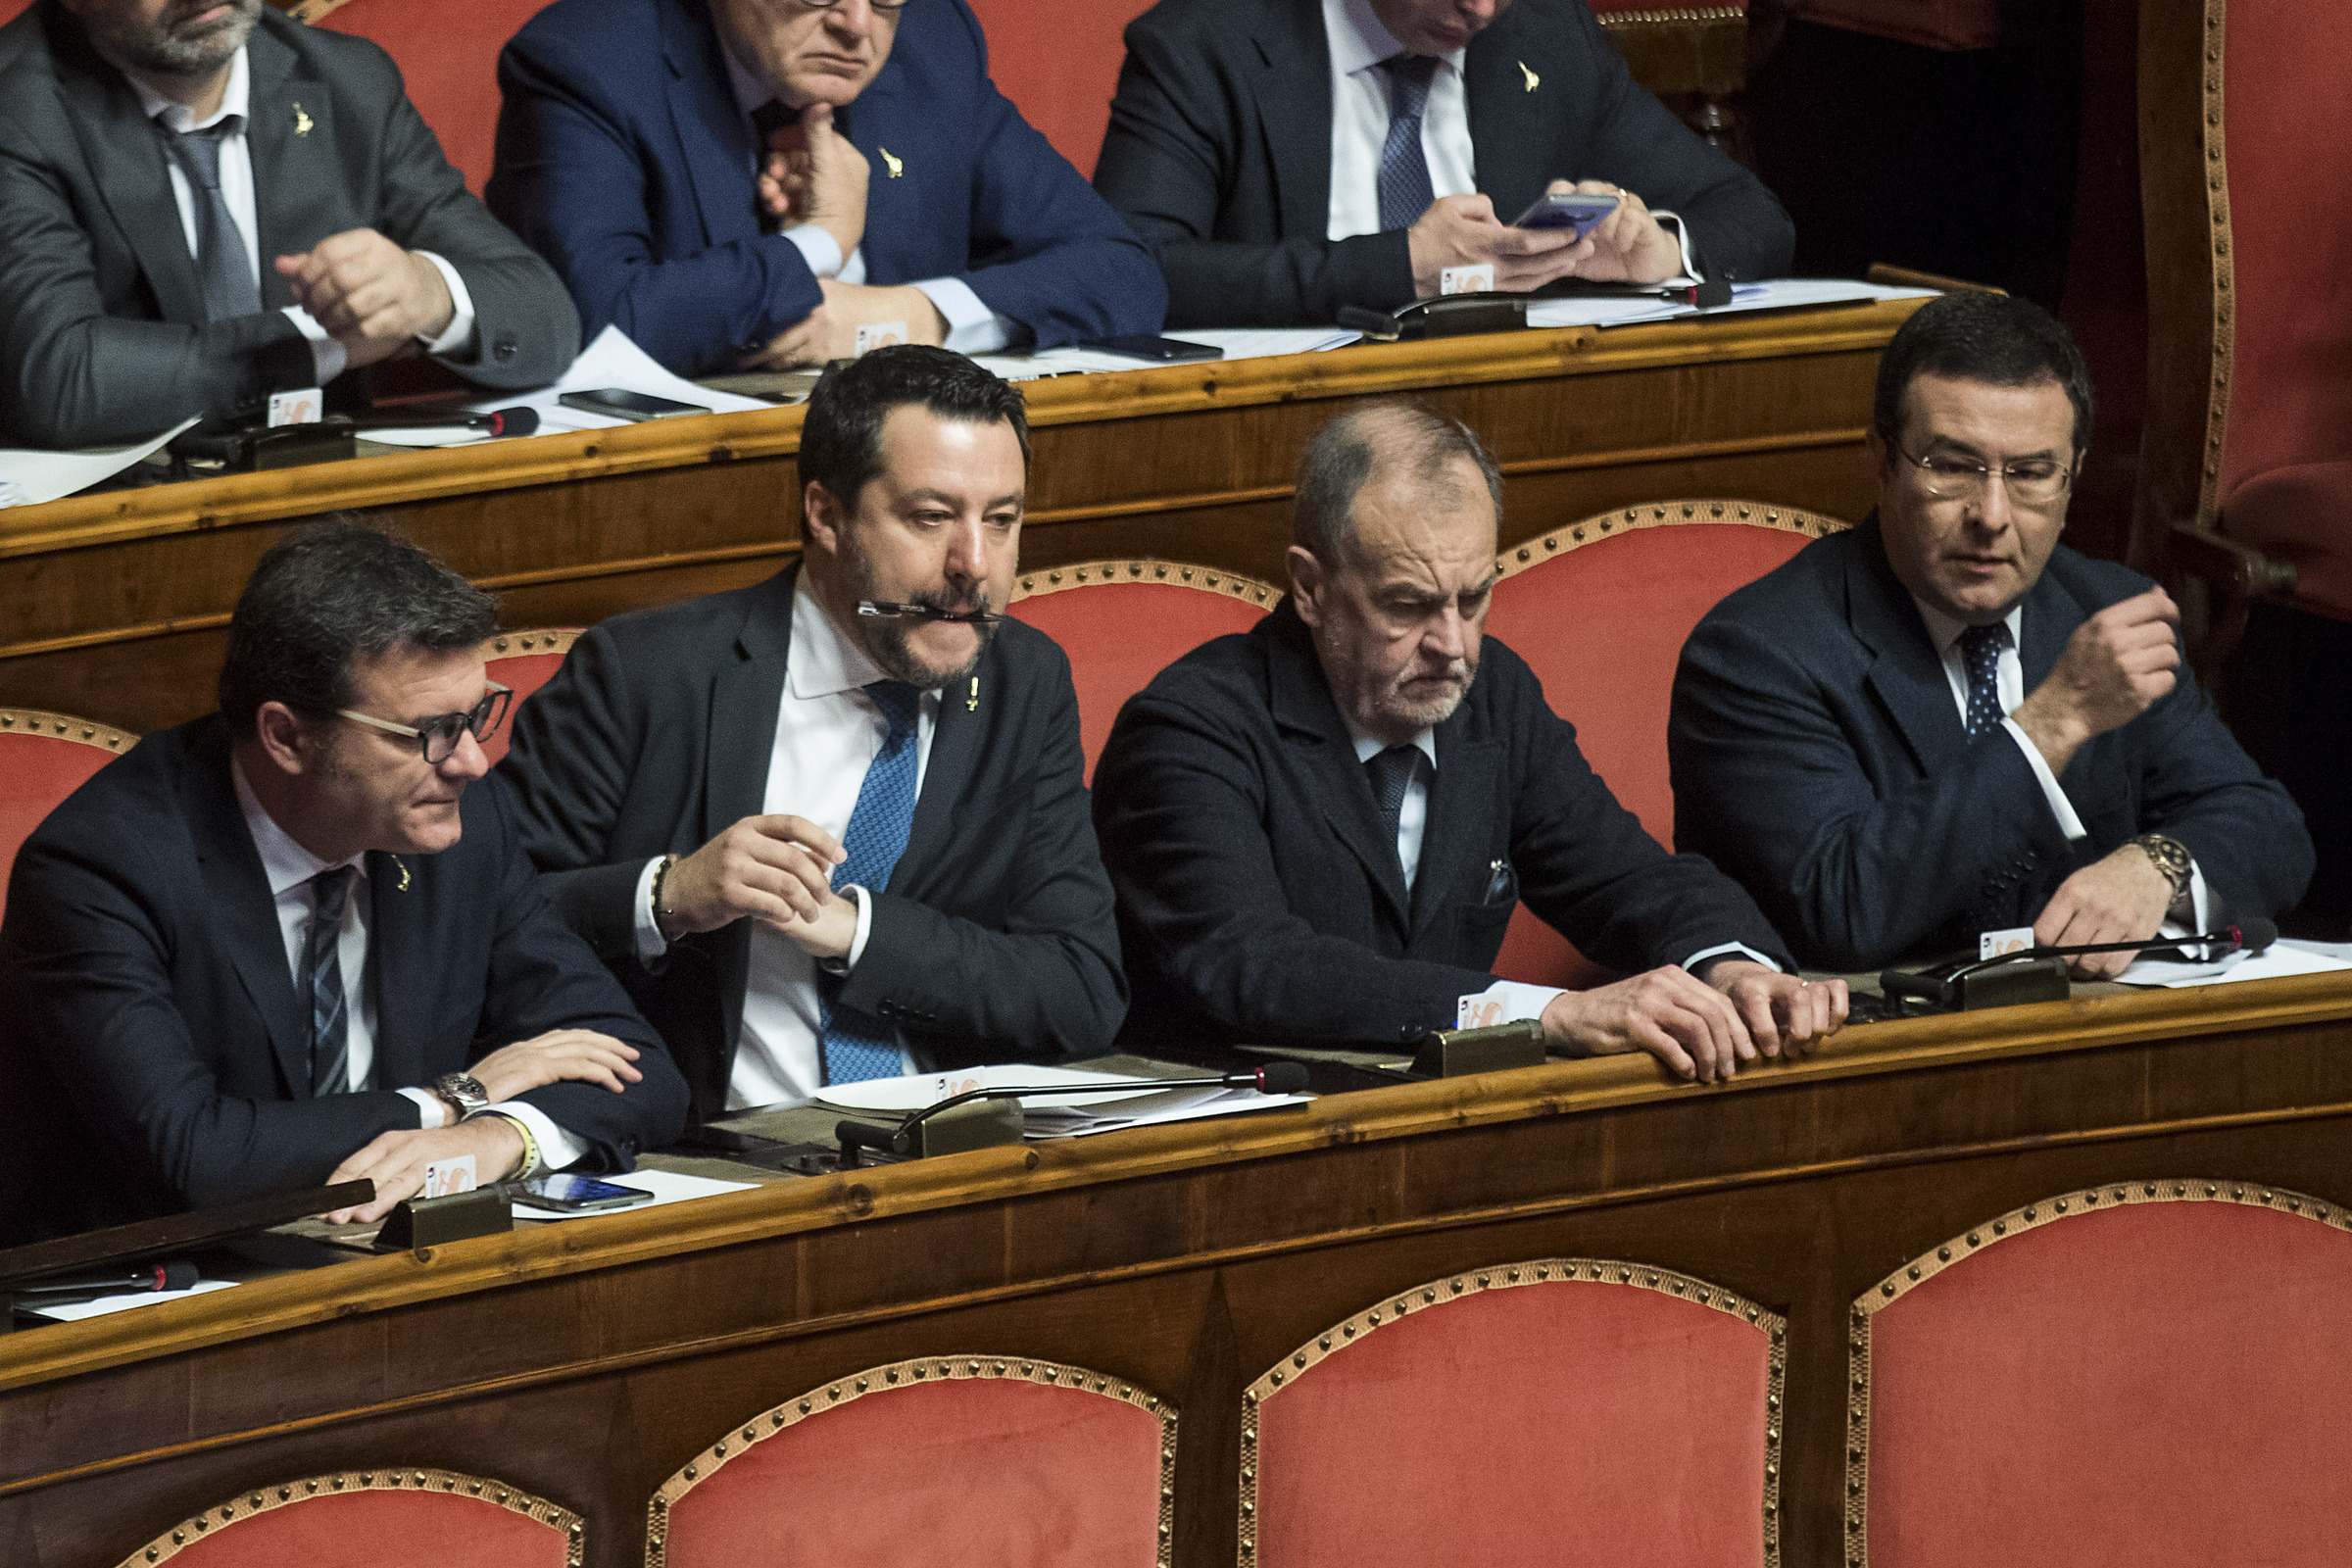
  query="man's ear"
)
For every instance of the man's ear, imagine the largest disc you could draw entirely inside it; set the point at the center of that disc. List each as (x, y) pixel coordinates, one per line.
(1308, 583)
(290, 743)
(822, 518)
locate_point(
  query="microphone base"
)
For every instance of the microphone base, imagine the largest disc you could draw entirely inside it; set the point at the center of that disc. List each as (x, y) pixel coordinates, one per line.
(2004, 985)
(1458, 1052)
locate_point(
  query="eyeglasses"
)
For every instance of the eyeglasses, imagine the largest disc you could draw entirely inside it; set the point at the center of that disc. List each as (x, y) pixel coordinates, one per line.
(2030, 481)
(878, 5)
(438, 737)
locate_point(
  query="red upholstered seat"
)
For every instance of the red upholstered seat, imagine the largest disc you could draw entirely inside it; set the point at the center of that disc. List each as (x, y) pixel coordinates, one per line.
(1133, 619)
(1600, 610)
(374, 1519)
(2153, 1374)
(2302, 513)
(447, 51)
(987, 1461)
(526, 660)
(1553, 1411)
(43, 759)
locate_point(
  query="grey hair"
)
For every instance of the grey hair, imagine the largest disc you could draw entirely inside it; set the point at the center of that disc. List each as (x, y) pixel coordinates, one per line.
(1373, 437)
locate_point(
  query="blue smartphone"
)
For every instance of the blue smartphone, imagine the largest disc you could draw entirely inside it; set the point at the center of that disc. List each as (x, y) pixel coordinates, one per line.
(579, 1195)
(1568, 210)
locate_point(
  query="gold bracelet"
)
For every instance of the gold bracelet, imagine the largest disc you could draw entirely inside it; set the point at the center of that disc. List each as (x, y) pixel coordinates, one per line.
(660, 883)
(530, 1146)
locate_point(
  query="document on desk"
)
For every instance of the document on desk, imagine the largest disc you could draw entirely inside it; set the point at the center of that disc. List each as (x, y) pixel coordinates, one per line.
(29, 478)
(1239, 343)
(1779, 294)
(2280, 960)
(1125, 1101)
(74, 1313)
(611, 361)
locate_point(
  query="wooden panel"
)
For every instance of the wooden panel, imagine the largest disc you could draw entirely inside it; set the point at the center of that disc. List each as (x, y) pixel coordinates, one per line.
(588, 1362)
(113, 604)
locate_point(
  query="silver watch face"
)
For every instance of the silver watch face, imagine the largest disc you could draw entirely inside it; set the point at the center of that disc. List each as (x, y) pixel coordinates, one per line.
(461, 1086)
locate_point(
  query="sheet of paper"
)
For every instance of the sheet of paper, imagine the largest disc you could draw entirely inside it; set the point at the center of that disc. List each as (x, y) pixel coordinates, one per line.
(1127, 1101)
(29, 478)
(1259, 343)
(1779, 294)
(2280, 960)
(1053, 1119)
(616, 362)
(667, 1186)
(124, 1303)
(899, 1097)
(1239, 343)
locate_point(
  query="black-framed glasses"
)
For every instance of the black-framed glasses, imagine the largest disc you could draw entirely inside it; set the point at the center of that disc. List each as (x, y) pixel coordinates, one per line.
(878, 5)
(2030, 481)
(438, 737)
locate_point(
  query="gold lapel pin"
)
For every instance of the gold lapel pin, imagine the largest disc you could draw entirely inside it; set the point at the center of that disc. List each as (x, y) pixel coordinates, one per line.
(303, 121)
(971, 704)
(890, 163)
(1531, 77)
(402, 886)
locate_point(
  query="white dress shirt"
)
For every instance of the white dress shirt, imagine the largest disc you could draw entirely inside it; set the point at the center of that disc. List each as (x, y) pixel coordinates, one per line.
(1519, 999)
(972, 327)
(828, 732)
(2009, 684)
(327, 357)
(289, 867)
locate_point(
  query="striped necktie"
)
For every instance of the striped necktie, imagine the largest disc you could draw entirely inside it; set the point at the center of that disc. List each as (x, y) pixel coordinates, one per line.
(322, 981)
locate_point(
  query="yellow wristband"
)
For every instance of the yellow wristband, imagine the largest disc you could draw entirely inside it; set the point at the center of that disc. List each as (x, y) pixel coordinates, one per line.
(530, 1146)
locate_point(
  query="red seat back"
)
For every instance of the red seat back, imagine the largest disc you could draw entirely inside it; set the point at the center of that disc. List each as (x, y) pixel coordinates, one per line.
(526, 660)
(2153, 1373)
(990, 1461)
(1555, 1411)
(1133, 619)
(359, 1519)
(43, 759)
(1600, 610)
(447, 51)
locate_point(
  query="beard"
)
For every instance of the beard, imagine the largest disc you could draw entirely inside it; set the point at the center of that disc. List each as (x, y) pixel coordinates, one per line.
(891, 642)
(175, 46)
(1429, 709)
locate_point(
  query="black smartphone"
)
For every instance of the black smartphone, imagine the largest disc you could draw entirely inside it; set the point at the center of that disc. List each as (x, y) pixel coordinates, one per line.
(1567, 210)
(578, 1195)
(1166, 350)
(620, 405)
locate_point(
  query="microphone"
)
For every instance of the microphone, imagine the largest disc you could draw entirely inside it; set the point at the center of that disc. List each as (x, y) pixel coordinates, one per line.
(2037, 974)
(178, 1274)
(518, 420)
(2251, 935)
(1274, 1078)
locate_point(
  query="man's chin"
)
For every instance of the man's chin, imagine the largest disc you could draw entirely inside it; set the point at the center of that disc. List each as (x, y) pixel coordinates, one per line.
(430, 829)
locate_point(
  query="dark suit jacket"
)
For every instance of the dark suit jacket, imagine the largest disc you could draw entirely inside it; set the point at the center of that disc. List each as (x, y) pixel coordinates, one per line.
(1219, 154)
(624, 159)
(157, 1054)
(1818, 758)
(1261, 897)
(996, 938)
(103, 335)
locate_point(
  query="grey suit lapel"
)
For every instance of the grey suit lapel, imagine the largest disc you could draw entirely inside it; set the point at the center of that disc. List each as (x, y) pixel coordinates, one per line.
(1461, 801)
(129, 165)
(1310, 719)
(1294, 114)
(298, 194)
(245, 914)
(1906, 675)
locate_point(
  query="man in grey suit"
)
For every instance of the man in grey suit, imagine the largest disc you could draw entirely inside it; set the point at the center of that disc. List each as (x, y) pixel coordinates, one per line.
(202, 203)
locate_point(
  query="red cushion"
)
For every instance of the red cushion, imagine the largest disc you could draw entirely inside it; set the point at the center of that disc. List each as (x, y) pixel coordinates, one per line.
(1558, 1423)
(10, 9)
(447, 51)
(1603, 624)
(37, 772)
(1120, 634)
(1059, 64)
(2159, 1384)
(527, 673)
(2302, 513)
(979, 1471)
(376, 1529)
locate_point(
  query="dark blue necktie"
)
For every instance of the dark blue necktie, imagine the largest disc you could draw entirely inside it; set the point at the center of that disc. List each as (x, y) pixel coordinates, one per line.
(1981, 656)
(1406, 191)
(322, 982)
(230, 289)
(1391, 773)
(856, 1044)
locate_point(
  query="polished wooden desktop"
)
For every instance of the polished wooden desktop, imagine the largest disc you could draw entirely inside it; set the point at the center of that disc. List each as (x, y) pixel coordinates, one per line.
(585, 1362)
(114, 604)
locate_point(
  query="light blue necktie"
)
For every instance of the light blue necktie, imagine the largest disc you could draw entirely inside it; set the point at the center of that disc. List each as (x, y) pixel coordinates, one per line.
(1981, 656)
(857, 1045)
(1406, 191)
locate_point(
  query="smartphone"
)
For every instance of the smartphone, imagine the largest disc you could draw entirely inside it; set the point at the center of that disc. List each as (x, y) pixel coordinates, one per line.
(1568, 210)
(620, 405)
(1167, 349)
(578, 1195)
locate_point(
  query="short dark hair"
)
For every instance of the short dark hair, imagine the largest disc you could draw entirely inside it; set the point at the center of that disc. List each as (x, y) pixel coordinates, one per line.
(1342, 456)
(335, 590)
(1970, 335)
(841, 436)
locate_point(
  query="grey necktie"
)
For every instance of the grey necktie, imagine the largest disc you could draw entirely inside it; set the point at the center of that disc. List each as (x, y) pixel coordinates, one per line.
(1391, 773)
(1406, 191)
(230, 288)
(322, 982)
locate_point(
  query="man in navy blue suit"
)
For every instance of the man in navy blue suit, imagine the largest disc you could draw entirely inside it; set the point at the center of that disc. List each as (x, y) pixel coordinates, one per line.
(741, 184)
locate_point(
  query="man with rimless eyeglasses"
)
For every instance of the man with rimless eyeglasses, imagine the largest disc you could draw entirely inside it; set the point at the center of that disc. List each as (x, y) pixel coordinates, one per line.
(297, 940)
(1945, 723)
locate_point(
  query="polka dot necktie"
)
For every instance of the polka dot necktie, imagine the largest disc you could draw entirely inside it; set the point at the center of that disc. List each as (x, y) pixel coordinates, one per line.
(1392, 774)
(857, 1045)
(1406, 191)
(1981, 650)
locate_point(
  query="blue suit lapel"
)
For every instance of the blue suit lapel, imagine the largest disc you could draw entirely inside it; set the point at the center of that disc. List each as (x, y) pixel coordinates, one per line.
(246, 916)
(1906, 675)
(715, 137)
(956, 737)
(1293, 113)
(401, 964)
(736, 752)
(904, 232)
(1512, 125)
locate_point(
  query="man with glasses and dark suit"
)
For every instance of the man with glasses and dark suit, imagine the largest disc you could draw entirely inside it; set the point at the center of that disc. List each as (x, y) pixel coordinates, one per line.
(287, 943)
(1945, 723)
(745, 185)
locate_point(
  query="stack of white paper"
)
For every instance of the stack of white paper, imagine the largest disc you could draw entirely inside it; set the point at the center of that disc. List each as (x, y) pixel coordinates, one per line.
(29, 477)
(2280, 958)
(1125, 1101)
(1777, 295)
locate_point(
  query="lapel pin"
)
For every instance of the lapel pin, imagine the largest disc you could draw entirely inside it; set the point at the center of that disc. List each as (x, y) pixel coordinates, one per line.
(890, 163)
(303, 121)
(402, 886)
(971, 704)
(1531, 77)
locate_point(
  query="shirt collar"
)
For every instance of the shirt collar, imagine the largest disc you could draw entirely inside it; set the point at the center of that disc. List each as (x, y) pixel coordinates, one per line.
(1367, 747)
(1359, 42)
(285, 863)
(1944, 631)
(751, 88)
(235, 98)
(824, 661)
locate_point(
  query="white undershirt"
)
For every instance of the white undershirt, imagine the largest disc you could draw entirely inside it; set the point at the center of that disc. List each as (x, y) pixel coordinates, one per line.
(327, 357)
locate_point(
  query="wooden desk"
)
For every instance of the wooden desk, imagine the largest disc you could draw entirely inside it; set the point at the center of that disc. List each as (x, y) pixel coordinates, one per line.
(114, 605)
(587, 1362)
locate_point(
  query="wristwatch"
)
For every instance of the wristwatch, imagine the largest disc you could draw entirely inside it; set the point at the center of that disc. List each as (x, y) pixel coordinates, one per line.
(465, 1093)
(2170, 857)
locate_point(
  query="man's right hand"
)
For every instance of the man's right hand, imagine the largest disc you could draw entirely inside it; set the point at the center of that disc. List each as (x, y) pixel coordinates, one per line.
(1463, 231)
(776, 868)
(814, 175)
(1688, 1025)
(553, 1058)
(2116, 665)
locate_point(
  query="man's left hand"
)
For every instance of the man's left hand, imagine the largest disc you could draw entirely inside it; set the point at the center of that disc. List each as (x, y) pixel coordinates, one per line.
(830, 331)
(2121, 898)
(395, 1163)
(1785, 1016)
(1628, 246)
(368, 294)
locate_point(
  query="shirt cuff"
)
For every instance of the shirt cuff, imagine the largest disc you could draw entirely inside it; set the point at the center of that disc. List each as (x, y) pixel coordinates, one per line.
(328, 358)
(2199, 910)
(866, 925)
(649, 944)
(2060, 807)
(1724, 950)
(1519, 1001)
(972, 327)
(431, 1110)
(457, 340)
(558, 1149)
(1682, 240)
(818, 247)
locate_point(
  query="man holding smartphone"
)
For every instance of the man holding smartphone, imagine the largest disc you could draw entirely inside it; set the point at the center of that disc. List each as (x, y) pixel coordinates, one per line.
(1311, 154)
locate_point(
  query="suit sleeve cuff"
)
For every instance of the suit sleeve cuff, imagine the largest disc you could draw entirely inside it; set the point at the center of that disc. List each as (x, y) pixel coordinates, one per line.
(1727, 950)
(649, 944)
(431, 1110)
(558, 1149)
(972, 327)
(818, 247)
(328, 358)
(457, 339)
(2060, 807)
